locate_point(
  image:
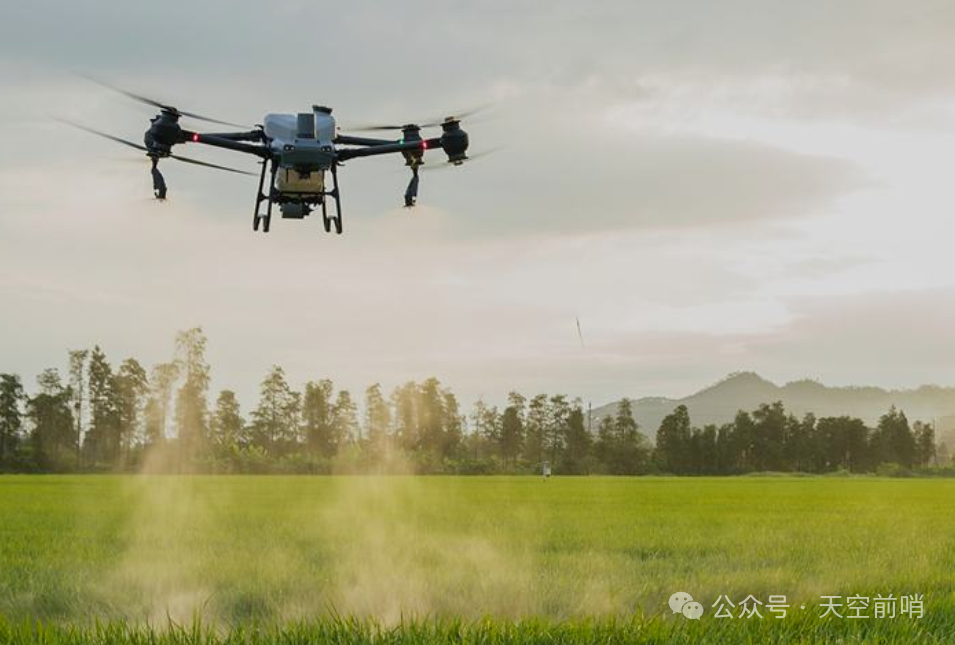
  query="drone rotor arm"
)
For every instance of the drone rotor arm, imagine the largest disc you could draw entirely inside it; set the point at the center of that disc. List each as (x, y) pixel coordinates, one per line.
(389, 148)
(230, 141)
(249, 135)
(349, 140)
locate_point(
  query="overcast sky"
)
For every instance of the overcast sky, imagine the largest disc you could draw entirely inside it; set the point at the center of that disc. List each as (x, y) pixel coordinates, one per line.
(708, 186)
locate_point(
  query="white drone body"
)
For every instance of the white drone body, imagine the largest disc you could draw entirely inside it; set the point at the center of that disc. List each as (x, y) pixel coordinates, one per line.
(304, 145)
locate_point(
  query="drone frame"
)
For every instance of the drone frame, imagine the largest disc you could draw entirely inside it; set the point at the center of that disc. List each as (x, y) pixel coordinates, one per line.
(255, 142)
(165, 132)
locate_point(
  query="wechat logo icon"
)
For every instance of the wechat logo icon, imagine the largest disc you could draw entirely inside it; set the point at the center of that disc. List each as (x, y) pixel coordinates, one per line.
(682, 603)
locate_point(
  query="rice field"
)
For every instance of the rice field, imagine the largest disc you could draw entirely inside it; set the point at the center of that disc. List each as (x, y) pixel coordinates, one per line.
(257, 559)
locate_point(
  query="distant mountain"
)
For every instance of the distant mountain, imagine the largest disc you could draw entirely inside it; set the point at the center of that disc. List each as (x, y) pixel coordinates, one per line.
(746, 391)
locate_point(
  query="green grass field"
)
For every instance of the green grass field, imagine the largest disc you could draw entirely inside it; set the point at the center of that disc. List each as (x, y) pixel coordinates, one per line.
(484, 560)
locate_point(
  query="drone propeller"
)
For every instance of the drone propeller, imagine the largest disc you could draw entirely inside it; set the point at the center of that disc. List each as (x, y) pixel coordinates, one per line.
(430, 123)
(159, 184)
(433, 123)
(162, 106)
(126, 142)
(211, 165)
(139, 160)
(451, 164)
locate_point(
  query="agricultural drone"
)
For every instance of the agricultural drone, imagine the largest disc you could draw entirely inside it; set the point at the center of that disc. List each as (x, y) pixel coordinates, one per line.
(296, 152)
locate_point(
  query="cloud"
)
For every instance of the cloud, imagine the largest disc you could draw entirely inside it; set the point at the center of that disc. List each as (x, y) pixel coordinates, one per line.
(579, 182)
(902, 336)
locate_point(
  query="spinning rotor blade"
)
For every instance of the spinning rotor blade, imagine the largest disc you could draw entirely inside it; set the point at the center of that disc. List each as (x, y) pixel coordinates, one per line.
(162, 106)
(375, 128)
(192, 161)
(456, 117)
(450, 164)
(146, 150)
(211, 165)
(104, 135)
(430, 123)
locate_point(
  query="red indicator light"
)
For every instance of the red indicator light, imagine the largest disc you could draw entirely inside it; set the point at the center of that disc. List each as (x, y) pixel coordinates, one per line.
(195, 136)
(424, 145)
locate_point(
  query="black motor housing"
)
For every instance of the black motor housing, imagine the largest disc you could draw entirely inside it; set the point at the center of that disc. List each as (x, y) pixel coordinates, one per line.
(454, 140)
(164, 133)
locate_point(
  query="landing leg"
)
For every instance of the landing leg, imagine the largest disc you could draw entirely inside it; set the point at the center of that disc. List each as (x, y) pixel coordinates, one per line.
(338, 202)
(268, 210)
(326, 220)
(159, 184)
(259, 198)
(411, 193)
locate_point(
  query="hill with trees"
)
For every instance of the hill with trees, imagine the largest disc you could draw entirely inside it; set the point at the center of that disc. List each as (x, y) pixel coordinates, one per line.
(719, 403)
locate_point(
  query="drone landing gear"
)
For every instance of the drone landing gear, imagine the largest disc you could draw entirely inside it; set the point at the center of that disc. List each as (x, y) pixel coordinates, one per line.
(334, 193)
(266, 218)
(159, 184)
(272, 195)
(411, 193)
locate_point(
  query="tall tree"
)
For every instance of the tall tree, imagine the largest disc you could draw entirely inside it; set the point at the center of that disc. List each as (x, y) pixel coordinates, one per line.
(345, 417)
(11, 416)
(78, 359)
(294, 438)
(51, 436)
(192, 409)
(801, 446)
(673, 442)
(705, 450)
(227, 426)
(317, 418)
(102, 439)
(605, 447)
(512, 428)
(452, 423)
(487, 425)
(535, 429)
(924, 434)
(162, 381)
(131, 386)
(377, 420)
(631, 451)
(769, 436)
(576, 456)
(843, 443)
(726, 459)
(431, 417)
(518, 401)
(274, 420)
(744, 442)
(555, 432)
(404, 401)
(893, 441)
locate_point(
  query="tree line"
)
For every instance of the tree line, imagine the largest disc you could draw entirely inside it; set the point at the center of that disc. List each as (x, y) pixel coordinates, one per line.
(770, 439)
(101, 417)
